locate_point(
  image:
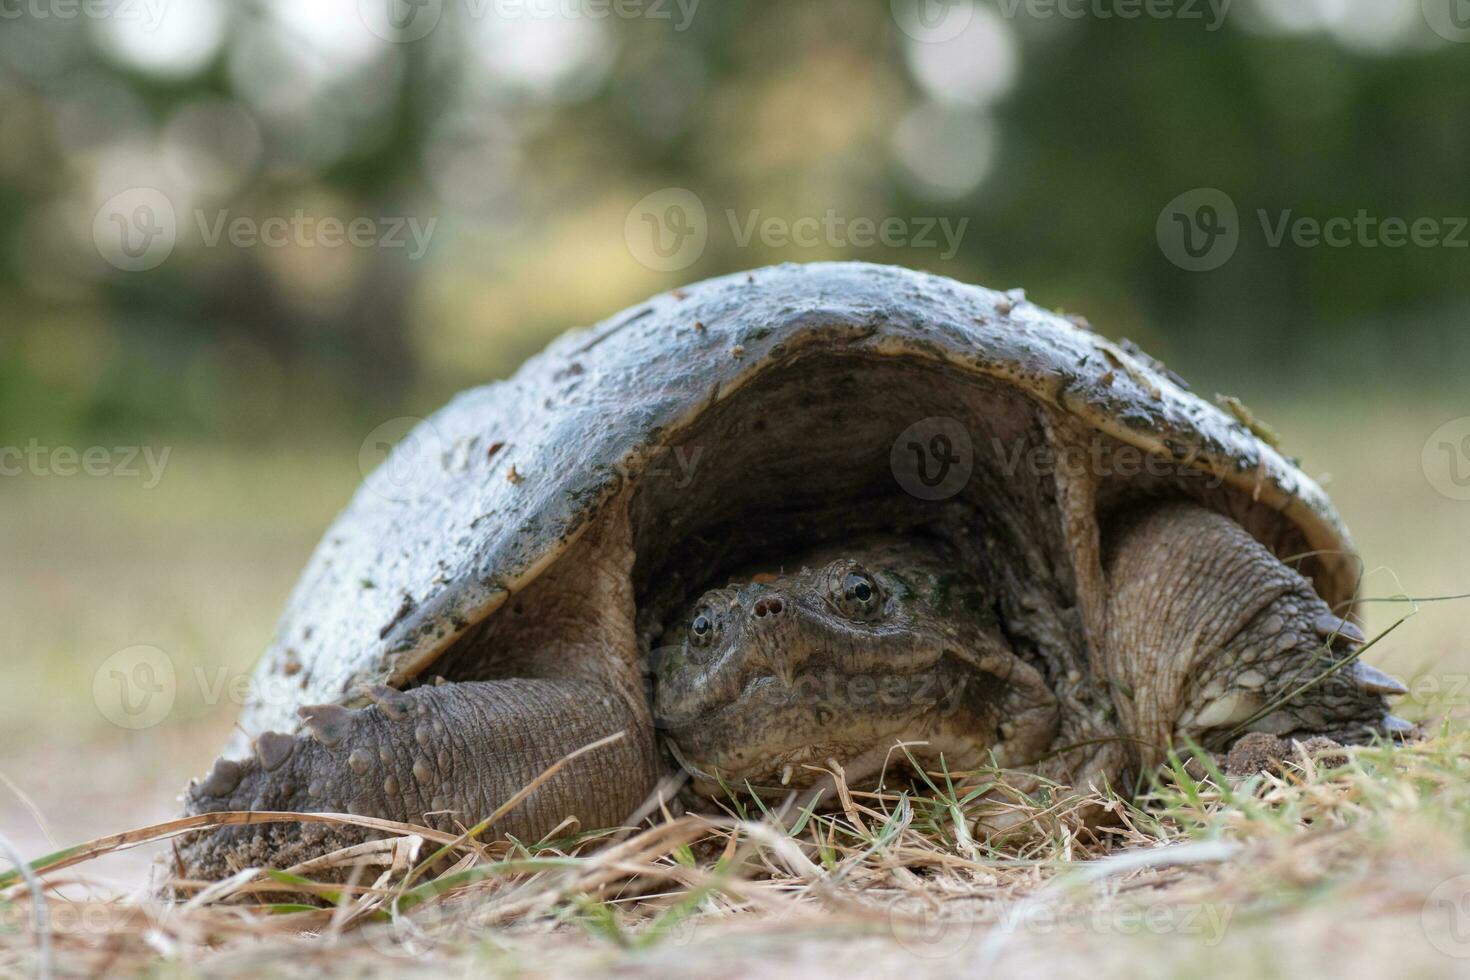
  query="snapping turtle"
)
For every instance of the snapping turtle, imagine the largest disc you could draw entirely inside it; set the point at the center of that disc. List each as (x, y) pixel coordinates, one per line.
(775, 523)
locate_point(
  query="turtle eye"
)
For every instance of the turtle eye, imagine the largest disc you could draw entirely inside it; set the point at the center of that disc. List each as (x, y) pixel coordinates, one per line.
(860, 598)
(702, 629)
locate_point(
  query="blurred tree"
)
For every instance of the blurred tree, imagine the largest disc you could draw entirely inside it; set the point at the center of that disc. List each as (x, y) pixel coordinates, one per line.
(525, 140)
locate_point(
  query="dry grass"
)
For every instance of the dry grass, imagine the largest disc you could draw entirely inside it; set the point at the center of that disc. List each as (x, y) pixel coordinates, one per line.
(1315, 872)
(1175, 881)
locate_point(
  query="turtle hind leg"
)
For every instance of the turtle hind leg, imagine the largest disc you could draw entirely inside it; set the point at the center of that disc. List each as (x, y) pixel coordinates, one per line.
(1209, 636)
(442, 756)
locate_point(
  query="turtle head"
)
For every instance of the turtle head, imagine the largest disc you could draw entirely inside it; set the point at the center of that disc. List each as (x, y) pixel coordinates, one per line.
(771, 679)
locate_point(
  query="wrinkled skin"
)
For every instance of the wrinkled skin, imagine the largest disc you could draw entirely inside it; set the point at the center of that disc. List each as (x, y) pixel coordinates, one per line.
(769, 681)
(834, 656)
(1209, 637)
(859, 647)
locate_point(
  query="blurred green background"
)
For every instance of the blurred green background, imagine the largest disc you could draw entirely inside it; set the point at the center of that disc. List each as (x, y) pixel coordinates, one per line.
(523, 139)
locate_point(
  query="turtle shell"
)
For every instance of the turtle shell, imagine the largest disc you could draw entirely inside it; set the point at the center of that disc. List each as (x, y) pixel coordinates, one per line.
(485, 495)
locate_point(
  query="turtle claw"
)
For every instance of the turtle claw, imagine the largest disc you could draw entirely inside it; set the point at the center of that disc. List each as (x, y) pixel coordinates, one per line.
(327, 723)
(1399, 727)
(1331, 627)
(1375, 681)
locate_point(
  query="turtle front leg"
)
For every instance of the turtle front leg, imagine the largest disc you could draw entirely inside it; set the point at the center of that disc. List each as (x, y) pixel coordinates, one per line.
(1207, 632)
(443, 756)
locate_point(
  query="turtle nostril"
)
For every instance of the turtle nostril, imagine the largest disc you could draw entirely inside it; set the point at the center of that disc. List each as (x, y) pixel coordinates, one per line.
(768, 606)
